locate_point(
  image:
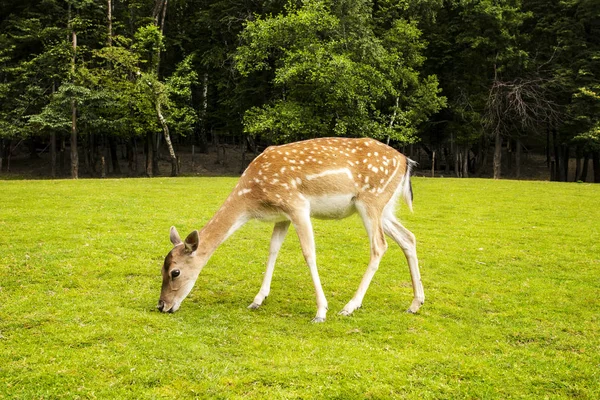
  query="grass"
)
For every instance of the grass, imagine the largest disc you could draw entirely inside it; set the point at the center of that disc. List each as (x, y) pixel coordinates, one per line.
(511, 272)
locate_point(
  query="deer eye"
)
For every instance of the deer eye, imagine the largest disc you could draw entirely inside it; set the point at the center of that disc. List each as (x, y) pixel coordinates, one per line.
(175, 273)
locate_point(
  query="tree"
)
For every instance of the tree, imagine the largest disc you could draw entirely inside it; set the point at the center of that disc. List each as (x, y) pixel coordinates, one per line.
(333, 75)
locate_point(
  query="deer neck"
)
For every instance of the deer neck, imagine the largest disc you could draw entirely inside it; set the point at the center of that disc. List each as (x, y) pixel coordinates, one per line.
(229, 218)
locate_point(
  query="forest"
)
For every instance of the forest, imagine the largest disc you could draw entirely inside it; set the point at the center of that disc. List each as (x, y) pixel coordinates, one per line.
(113, 86)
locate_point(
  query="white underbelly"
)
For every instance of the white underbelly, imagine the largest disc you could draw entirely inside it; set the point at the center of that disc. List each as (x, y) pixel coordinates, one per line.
(332, 206)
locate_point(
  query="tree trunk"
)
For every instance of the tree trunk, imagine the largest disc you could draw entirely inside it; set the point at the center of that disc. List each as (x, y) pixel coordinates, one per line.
(1, 153)
(456, 162)
(578, 154)
(160, 8)
(114, 154)
(465, 166)
(63, 158)
(109, 18)
(203, 124)
(446, 156)
(596, 166)
(52, 155)
(6, 153)
(518, 150)
(149, 154)
(86, 147)
(509, 157)
(497, 155)
(155, 153)
(584, 170)
(74, 154)
(558, 171)
(548, 146)
(481, 156)
(165, 127)
(566, 163)
(131, 164)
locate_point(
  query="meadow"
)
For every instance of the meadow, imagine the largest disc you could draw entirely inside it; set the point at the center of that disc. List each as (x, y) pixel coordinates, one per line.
(511, 271)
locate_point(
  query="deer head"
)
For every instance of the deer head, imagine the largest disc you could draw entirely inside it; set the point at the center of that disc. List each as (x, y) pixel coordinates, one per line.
(180, 270)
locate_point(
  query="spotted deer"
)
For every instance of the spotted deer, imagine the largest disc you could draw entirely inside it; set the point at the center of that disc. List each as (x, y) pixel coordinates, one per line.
(328, 178)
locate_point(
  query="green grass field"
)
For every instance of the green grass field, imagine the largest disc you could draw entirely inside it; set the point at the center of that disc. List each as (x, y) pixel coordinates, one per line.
(511, 271)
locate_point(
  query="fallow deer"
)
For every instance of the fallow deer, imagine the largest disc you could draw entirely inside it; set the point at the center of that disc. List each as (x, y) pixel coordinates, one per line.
(329, 178)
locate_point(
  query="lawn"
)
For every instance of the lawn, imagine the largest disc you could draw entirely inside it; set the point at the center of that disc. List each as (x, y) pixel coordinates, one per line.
(511, 271)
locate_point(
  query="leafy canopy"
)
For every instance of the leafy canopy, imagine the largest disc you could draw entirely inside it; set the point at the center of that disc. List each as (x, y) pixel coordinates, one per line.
(333, 75)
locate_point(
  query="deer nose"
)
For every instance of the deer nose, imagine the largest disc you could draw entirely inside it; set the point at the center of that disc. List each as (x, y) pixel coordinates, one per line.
(161, 305)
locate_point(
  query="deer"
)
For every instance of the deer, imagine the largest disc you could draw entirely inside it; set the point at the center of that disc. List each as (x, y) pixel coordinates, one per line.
(324, 178)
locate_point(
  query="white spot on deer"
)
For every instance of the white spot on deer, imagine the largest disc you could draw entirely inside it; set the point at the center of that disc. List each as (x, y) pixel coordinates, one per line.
(353, 150)
(274, 181)
(299, 181)
(368, 154)
(244, 191)
(366, 179)
(375, 169)
(282, 170)
(376, 154)
(329, 172)
(365, 161)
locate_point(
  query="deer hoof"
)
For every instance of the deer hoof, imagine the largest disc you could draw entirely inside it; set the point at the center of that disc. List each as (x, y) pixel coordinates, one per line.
(253, 306)
(317, 320)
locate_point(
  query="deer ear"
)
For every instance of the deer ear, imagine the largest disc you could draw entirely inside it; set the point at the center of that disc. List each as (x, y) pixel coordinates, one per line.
(175, 239)
(191, 242)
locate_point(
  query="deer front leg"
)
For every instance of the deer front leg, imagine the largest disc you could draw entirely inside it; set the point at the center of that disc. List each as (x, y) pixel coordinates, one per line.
(279, 233)
(378, 247)
(304, 229)
(406, 240)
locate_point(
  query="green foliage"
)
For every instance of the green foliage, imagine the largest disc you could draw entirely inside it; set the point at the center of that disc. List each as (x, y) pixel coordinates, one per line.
(182, 116)
(403, 70)
(148, 41)
(336, 74)
(81, 279)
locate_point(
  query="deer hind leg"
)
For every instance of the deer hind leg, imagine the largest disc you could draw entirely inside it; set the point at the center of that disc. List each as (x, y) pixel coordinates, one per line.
(406, 240)
(372, 220)
(279, 232)
(303, 226)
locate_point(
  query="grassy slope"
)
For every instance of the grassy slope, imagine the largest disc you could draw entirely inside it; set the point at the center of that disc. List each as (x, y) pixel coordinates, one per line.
(511, 273)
